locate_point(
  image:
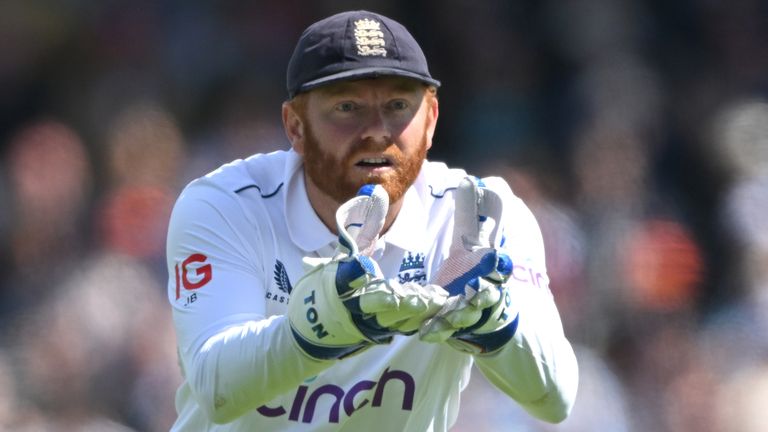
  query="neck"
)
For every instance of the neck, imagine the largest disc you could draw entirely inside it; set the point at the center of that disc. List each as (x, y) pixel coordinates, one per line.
(325, 207)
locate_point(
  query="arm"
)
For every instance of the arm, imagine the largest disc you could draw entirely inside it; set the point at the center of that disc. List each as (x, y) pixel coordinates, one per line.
(537, 367)
(501, 310)
(233, 357)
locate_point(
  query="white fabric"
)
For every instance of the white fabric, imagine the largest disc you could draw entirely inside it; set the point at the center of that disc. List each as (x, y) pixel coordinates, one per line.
(236, 241)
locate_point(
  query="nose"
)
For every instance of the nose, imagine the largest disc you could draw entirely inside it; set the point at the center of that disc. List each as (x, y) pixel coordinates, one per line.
(377, 127)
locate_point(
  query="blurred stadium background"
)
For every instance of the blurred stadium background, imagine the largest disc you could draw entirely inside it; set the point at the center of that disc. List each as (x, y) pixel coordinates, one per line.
(637, 131)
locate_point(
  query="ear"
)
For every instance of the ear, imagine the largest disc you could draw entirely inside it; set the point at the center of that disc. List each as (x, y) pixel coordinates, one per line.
(433, 111)
(294, 127)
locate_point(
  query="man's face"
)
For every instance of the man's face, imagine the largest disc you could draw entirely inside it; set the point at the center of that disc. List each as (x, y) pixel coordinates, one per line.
(368, 131)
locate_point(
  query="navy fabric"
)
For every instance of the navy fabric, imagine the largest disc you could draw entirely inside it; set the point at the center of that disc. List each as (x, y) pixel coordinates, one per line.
(355, 45)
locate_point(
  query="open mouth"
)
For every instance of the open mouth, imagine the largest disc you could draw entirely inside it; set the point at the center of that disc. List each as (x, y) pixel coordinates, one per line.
(374, 163)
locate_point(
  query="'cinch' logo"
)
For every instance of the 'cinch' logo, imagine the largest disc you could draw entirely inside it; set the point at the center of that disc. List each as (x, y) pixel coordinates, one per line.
(345, 399)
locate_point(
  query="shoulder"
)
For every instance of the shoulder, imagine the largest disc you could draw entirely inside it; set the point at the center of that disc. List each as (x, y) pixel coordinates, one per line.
(217, 195)
(438, 179)
(265, 172)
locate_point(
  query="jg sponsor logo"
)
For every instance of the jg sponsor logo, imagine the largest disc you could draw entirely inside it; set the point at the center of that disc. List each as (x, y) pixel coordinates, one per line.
(194, 273)
(362, 394)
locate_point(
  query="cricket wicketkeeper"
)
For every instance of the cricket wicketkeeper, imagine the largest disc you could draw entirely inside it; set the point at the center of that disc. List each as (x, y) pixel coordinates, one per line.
(349, 283)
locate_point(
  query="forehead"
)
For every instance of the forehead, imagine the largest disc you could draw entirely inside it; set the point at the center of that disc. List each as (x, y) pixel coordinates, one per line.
(384, 85)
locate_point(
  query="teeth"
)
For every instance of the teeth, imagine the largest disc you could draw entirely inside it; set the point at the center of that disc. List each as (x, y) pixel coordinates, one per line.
(375, 160)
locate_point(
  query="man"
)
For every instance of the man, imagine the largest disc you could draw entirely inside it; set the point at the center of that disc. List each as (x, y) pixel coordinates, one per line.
(300, 306)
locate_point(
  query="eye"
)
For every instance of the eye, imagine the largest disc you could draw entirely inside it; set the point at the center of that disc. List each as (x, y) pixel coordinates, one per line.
(346, 106)
(398, 105)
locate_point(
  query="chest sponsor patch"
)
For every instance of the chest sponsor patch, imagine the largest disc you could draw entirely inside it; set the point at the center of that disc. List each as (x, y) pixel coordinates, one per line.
(363, 394)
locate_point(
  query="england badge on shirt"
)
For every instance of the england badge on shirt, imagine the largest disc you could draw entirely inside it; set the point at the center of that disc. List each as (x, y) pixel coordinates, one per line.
(412, 269)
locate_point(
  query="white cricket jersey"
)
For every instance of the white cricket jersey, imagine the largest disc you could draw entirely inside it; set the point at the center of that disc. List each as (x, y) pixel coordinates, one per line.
(235, 246)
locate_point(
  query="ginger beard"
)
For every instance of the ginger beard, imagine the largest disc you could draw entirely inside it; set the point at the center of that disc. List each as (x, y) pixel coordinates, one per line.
(333, 176)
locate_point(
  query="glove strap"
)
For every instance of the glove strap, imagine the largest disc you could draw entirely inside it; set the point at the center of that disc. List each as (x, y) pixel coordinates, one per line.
(489, 342)
(326, 352)
(370, 328)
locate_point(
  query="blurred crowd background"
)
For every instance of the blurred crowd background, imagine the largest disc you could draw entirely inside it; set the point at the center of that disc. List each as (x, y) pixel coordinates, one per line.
(636, 130)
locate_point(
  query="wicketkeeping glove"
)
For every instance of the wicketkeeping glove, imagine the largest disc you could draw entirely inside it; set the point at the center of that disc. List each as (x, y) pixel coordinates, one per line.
(479, 316)
(387, 306)
(343, 304)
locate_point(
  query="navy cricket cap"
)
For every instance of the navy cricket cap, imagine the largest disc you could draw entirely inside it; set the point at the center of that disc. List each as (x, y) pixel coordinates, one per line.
(354, 45)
